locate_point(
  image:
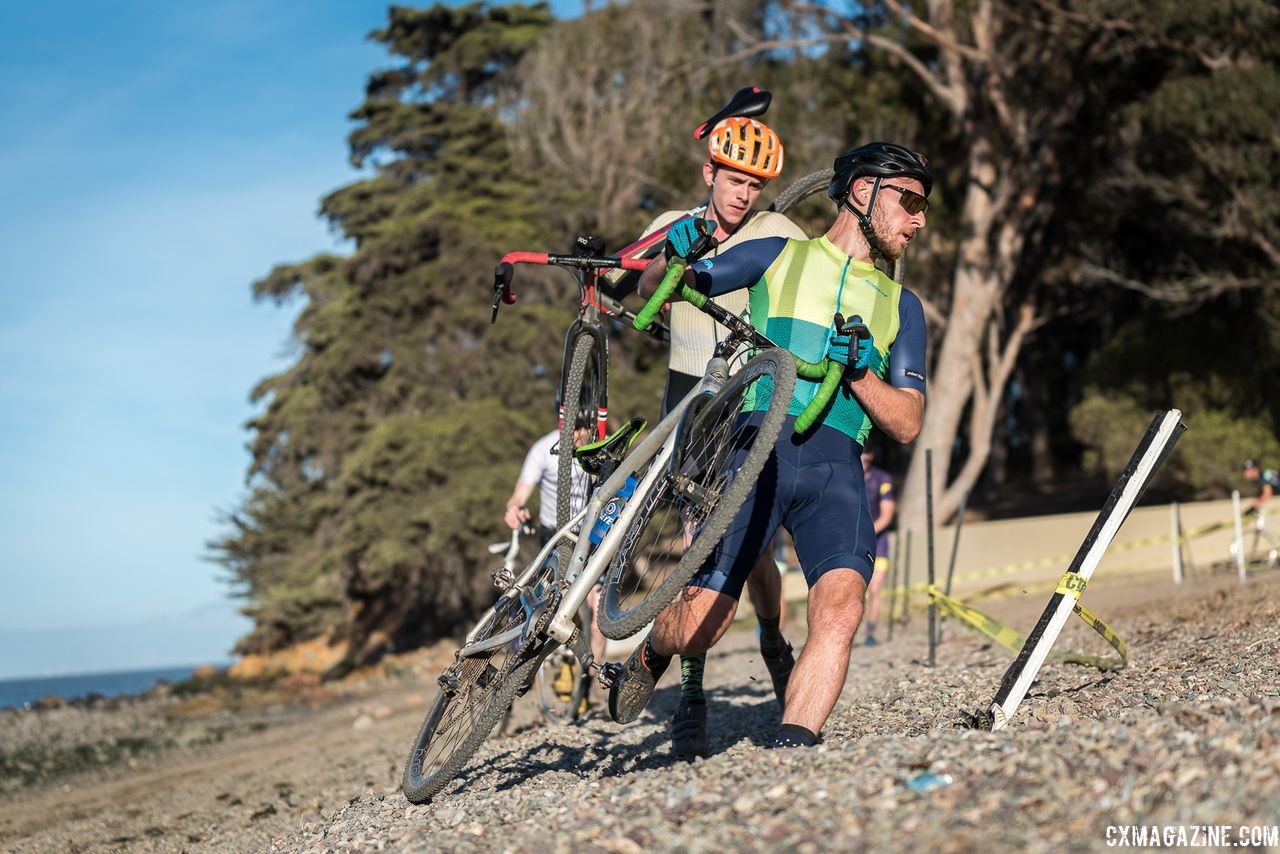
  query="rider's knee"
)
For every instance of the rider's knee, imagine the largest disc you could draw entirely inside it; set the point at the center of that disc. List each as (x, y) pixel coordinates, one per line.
(835, 603)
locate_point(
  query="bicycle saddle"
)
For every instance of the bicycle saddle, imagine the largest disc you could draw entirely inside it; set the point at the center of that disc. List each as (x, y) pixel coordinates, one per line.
(599, 459)
(748, 103)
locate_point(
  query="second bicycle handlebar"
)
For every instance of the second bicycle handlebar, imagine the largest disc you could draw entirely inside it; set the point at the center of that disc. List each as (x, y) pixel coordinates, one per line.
(505, 270)
(829, 372)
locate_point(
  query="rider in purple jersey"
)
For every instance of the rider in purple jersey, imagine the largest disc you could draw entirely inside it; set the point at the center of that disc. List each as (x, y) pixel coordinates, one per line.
(882, 503)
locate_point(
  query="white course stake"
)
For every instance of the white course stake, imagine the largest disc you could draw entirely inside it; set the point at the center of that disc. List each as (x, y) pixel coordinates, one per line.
(1175, 532)
(1235, 512)
(1152, 450)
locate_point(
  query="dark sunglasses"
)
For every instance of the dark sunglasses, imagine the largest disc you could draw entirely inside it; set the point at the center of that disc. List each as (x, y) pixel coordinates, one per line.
(910, 200)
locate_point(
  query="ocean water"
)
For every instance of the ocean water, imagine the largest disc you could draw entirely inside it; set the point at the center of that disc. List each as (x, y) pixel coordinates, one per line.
(15, 692)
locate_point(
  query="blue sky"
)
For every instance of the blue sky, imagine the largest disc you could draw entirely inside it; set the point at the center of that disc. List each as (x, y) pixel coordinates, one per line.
(155, 159)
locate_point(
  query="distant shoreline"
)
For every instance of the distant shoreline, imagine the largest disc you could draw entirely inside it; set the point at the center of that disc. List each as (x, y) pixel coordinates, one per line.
(19, 692)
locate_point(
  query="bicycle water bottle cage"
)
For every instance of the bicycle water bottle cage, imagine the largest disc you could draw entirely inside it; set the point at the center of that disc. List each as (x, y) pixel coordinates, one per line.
(599, 459)
(588, 245)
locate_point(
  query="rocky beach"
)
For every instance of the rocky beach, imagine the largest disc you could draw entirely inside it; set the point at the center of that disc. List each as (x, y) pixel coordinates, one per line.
(1187, 736)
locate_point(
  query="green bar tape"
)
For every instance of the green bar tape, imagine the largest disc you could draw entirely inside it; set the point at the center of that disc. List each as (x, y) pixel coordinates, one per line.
(826, 391)
(675, 270)
(694, 298)
(811, 370)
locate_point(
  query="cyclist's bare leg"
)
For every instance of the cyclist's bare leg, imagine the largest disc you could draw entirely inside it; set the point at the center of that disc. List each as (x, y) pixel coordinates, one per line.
(597, 638)
(872, 615)
(835, 609)
(693, 623)
(764, 587)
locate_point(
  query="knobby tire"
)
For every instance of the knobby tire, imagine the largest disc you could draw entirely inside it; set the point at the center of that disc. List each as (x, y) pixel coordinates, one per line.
(802, 189)
(576, 380)
(469, 715)
(618, 620)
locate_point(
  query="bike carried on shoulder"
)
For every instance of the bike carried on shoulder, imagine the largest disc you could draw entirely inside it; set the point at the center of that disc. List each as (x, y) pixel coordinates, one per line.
(653, 521)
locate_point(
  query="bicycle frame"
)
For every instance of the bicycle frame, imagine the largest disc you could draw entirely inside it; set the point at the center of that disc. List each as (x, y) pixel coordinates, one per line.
(590, 309)
(587, 564)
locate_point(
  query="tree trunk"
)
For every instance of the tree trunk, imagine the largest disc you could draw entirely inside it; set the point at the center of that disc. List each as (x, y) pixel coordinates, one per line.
(1036, 393)
(961, 372)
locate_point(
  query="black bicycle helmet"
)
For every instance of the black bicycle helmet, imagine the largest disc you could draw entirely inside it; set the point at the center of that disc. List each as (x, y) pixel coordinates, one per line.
(878, 160)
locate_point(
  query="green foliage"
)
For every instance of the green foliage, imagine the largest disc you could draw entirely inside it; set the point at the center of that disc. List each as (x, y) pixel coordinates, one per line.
(1217, 369)
(383, 454)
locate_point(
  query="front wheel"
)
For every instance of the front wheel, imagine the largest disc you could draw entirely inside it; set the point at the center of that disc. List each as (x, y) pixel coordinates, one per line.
(476, 691)
(681, 517)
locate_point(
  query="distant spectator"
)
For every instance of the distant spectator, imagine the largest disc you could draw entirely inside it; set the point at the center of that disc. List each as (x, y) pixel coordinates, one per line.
(1268, 482)
(882, 503)
(540, 471)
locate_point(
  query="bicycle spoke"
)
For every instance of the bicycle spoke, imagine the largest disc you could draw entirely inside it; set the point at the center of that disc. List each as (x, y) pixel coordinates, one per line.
(680, 503)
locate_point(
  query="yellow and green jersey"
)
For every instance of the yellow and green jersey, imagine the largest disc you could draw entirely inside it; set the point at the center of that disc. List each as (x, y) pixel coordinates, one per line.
(796, 289)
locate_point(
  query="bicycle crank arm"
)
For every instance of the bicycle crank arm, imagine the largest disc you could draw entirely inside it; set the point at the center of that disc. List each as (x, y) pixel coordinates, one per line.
(581, 648)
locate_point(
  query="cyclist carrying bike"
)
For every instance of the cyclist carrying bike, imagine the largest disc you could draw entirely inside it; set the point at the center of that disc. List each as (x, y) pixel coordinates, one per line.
(743, 155)
(811, 482)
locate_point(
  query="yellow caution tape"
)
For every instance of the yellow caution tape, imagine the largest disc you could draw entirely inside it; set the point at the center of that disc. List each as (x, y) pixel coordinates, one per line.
(1071, 584)
(1012, 640)
(1060, 559)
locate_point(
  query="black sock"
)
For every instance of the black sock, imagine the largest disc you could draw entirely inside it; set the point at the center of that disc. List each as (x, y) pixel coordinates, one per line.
(691, 679)
(794, 735)
(657, 664)
(772, 643)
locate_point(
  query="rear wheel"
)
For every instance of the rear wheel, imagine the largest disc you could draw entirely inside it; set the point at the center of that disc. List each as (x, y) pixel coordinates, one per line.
(686, 510)
(584, 391)
(475, 692)
(802, 189)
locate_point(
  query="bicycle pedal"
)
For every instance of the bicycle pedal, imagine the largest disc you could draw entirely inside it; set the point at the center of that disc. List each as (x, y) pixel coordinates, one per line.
(610, 674)
(502, 578)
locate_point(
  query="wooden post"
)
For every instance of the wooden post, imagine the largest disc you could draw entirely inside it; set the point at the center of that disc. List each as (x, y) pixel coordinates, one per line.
(955, 549)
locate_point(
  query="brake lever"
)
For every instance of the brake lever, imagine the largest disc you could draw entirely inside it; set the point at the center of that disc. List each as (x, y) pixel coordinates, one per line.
(501, 289)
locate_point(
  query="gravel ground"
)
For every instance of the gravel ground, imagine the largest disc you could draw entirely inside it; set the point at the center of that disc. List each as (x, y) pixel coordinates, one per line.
(1188, 734)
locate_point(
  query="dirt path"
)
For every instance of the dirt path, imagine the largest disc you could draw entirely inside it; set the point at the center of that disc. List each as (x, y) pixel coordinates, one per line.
(1188, 734)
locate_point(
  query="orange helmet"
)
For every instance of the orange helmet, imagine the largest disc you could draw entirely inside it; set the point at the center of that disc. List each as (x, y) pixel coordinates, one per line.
(746, 145)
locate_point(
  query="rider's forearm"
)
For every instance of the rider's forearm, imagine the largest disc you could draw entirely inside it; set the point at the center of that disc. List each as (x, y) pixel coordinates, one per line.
(520, 496)
(899, 412)
(651, 277)
(885, 517)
